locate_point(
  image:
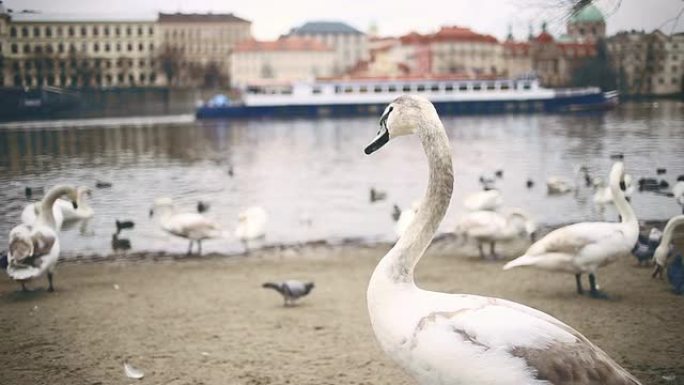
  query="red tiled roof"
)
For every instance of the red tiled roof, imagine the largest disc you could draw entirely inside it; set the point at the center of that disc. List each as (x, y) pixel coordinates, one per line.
(200, 18)
(414, 38)
(544, 38)
(283, 44)
(516, 47)
(456, 33)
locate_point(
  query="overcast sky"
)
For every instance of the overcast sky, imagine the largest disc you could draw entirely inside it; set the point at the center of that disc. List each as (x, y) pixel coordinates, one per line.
(271, 18)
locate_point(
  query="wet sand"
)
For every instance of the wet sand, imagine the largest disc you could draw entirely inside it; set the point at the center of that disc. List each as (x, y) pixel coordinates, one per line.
(208, 321)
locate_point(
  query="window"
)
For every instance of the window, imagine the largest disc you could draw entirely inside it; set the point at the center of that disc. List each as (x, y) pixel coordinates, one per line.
(129, 46)
(377, 89)
(15, 49)
(527, 86)
(420, 88)
(140, 31)
(96, 47)
(24, 32)
(449, 87)
(36, 31)
(84, 31)
(48, 31)
(463, 87)
(392, 88)
(129, 31)
(505, 86)
(151, 46)
(406, 88)
(477, 87)
(106, 30)
(118, 47)
(434, 88)
(150, 31)
(59, 31)
(140, 47)
(27, 48)
(13, 32)
(117, 31)
(96, 31)
(490, 86)
(71, 31)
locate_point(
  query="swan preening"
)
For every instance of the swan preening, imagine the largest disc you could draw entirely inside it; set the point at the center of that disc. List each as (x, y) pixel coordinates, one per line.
(582, 248)
(491, 227)
(34, 248)
(664, 250)
(194, 227)
(442, 338)
(63, 211)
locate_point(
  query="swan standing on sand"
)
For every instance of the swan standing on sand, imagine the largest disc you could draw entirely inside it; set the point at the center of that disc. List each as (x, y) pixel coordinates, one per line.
(251, 225)
(192, 226)
(663, 251)
(584, 247)
(442, 338)
(34, 249)
(491, 227)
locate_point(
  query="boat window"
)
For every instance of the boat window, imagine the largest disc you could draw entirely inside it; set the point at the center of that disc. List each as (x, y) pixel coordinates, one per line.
(338, 89)
(317, 90)
(477, 87)
(505, 86)
(420, 88)
(434, 87)
(363, 89)
(406, 88)
(490, 86)
(449, 87)
(377, 89)
(463, 87)
(526, 86)
(287, 91)
(348, 90)
(392, 88)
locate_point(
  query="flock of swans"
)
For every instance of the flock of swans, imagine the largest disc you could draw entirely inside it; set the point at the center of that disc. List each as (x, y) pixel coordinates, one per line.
(438, 338)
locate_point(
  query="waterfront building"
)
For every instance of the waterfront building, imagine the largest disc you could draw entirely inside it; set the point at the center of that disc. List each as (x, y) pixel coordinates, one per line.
(586, 25)
(288, 59)
(350, 44)
(196, 48)
(41, 49)
(648, 63)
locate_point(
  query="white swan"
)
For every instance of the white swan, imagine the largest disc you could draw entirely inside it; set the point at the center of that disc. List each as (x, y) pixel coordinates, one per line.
(441, 338)
(662, 252)
(678, 192)
(604, 196)
(483, 200)
(34, 249)
(405, 218)
(584, 247)
(192, 226)
(251, 225)
(491, 227)
(63, 211)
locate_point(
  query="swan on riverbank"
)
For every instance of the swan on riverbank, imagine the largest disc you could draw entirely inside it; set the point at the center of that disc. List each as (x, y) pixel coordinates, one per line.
(483, 200)
(582, 248)
(492, 227)
(34, 248)
(441, 338)
(251, 225)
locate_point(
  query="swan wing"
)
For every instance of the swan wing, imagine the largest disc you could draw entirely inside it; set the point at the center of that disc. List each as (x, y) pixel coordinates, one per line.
(31, 250)
(529, 345)
(572, 239)
(481, 223)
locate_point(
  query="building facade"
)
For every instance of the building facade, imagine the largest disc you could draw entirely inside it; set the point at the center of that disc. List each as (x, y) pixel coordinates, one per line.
(586, 25)
(66, 51)
(350, 44)
(648, 63)
(196, 48)
(288, 59)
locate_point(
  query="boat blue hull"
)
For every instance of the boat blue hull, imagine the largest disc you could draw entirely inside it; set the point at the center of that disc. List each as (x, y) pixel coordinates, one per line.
(557, 104)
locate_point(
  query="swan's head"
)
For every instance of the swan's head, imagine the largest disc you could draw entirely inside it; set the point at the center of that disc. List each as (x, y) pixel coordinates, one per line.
(72, 195)
(617, 175)
(84, 191)
(401, 117)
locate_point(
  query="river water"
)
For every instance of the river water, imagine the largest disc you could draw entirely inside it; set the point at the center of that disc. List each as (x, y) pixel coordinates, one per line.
(312, 177)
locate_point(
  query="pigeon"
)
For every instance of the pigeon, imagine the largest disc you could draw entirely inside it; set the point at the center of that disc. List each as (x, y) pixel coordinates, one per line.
(202, 207)
(646, 246)
(291, 290)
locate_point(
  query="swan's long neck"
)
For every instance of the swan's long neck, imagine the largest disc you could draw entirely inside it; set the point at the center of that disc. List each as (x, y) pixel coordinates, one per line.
(670, 227)
(400, 261)
(46, 215)
(623, 207)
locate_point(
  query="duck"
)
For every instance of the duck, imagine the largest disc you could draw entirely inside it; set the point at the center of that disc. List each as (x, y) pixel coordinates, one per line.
(194, 227)
(120, 244)
(491, 227)
(396, 212)
(291, 290)
(405, 218)
(664, 249)
(34, 248)
(123, 225)
(442, 338)
(377, 195)
(582, 248)
(251, 225)
(202, 207)
(483, 200)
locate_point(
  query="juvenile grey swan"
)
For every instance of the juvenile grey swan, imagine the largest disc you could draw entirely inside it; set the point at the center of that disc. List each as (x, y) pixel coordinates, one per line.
(441, 338)
(34, 248)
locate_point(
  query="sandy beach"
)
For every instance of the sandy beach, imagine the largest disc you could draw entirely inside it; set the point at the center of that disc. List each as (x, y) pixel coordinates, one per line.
(206, 320)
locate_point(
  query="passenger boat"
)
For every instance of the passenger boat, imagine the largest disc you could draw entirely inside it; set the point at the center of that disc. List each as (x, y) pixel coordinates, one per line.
(368, 96)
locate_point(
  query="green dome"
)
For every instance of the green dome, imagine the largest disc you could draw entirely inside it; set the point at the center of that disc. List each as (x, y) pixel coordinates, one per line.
(588, 14)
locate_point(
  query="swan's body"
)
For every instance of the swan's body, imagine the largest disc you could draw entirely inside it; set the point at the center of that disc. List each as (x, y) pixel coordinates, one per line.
(405, 218)
(678, 192)
(63, 210)
(34, 249)
(483, 200)
(491, 227)
(251, 224)
(192, 226)
(584, 247)
(441, 338)
(30, 214)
